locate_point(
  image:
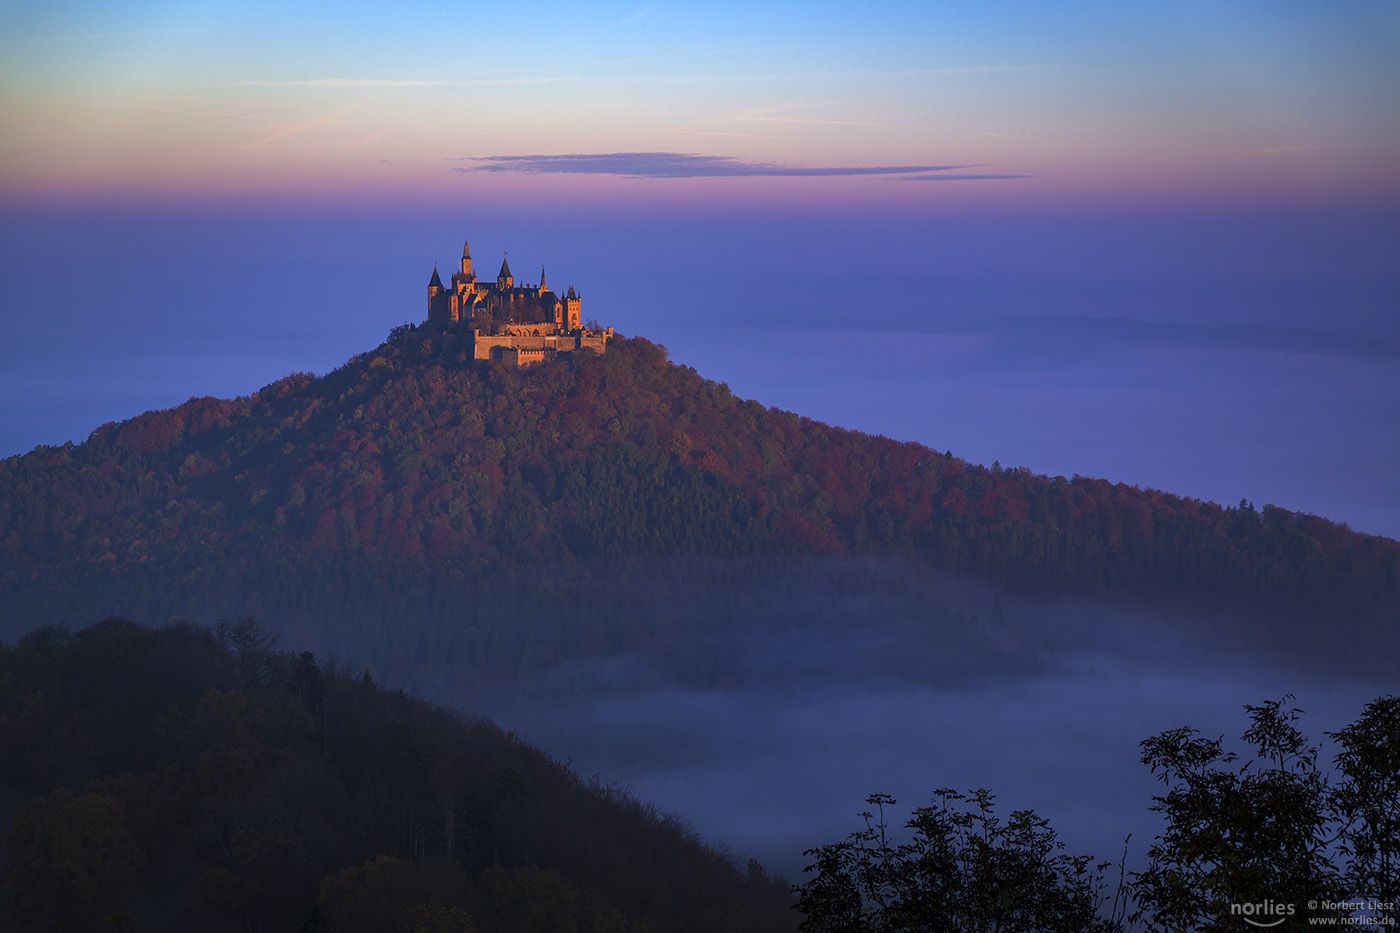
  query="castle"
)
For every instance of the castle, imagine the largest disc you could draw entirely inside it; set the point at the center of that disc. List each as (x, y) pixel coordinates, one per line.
(517, 324)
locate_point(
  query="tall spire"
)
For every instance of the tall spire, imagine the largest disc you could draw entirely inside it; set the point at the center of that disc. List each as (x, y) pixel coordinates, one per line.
(467, 262)
(435, 281)
(542, 278)
(466, 251)
(505, 269)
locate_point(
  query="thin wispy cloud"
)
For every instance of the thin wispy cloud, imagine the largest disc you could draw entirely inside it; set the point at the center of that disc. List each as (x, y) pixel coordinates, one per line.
(987, 177)
(716, 133)
(814, 122)
(625, 21)
(341, 82)
(86, 36)
(221, 101)
(325, 119)
(681, 165)
(141, 131)
(559, 71)
(1006, 135)
(664, 54)
(1275, 150)
(504, 77)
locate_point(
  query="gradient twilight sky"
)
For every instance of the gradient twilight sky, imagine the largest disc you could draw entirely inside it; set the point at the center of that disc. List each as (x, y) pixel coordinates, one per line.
(1016, 106)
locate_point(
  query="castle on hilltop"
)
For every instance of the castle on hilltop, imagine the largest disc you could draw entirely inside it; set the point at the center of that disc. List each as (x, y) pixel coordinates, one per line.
(518, 324)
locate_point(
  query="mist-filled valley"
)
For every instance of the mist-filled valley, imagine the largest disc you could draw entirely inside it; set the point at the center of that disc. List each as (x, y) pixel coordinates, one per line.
(763, 701)
(759, 702)
(774, 768)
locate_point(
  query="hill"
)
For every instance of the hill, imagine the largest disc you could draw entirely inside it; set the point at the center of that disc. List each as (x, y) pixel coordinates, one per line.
(178, 779)
(405, 485)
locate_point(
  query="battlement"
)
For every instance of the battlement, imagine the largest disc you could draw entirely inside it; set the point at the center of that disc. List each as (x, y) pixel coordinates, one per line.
(518, 325)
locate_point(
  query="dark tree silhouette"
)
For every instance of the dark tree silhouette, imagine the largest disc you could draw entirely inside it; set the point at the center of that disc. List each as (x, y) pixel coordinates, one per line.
(1244, 839)
(962, 869)
(1367, 805)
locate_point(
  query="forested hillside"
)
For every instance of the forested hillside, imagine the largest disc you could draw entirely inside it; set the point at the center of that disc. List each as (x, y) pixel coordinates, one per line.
(453, 483)
(183, 779)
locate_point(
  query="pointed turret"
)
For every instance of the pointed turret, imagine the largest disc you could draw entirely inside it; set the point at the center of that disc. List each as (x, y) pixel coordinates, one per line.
(542, 288)
(504, 279)
(439, 310)
(466, 272)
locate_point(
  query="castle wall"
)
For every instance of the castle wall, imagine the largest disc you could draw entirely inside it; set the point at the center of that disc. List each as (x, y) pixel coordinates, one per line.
(513, 351)
(489, 346)
(525, 356)
(523, 350)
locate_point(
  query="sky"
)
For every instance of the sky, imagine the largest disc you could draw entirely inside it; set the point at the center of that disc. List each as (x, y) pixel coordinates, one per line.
(886, 106)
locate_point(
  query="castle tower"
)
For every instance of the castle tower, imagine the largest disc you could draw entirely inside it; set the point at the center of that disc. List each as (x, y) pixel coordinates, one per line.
(572, 303)
(467, 272)
(542, 288)
(463, 284)
(439, 312)
(503, 278)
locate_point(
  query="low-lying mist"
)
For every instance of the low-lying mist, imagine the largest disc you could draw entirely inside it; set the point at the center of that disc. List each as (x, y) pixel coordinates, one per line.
(763, 703)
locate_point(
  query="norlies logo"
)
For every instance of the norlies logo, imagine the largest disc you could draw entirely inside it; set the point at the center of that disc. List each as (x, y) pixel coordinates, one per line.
(1266, 914)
